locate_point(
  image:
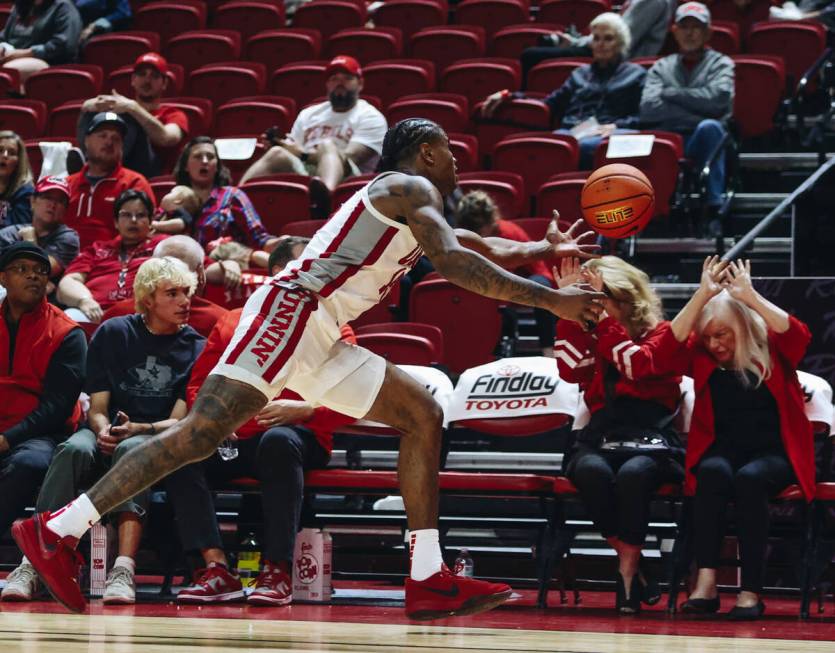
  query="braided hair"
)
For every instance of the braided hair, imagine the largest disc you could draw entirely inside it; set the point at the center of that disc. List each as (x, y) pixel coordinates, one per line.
(403, 141)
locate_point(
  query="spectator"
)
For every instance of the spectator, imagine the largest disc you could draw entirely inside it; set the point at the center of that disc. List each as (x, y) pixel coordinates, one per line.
(103, 273)
(338, 138)
(227, 219)
(154, 132)
(647, 21)
(137, 370)
(692, 93)
(15, 181)
(203, 314)
(103, 16)
(287, 438)
(39, 34)
(607, 90)
(42, 356)
(101, 180)
(48, 231)
(749, 436)
(628, 401)
(478, 212)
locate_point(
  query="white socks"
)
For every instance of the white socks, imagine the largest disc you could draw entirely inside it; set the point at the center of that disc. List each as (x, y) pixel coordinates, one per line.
(74, 519)
(425, 553)
(127, 562)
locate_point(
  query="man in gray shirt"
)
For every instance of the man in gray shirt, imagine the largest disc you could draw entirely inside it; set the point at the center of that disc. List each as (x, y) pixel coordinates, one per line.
(692, 93)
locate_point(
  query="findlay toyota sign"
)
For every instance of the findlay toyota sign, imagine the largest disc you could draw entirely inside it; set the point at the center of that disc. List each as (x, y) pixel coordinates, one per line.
(512, 387)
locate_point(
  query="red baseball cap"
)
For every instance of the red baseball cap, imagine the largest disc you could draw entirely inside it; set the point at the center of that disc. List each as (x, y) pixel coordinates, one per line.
(53, 183)
(344, 64)
(153, 59)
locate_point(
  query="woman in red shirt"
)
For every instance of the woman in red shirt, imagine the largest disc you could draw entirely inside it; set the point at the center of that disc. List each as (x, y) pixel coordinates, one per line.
(749, 436)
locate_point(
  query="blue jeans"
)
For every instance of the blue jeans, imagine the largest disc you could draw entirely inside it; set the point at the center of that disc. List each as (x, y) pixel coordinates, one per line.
(698, 145)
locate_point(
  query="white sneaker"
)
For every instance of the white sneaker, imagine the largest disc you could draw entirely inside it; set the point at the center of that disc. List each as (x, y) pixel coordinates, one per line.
(393, 502)
(21, 584)
(120, 587)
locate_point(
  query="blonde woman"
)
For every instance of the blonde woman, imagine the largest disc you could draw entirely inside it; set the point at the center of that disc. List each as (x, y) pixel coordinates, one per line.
(629, 403)
(16, 186)
(749, 437)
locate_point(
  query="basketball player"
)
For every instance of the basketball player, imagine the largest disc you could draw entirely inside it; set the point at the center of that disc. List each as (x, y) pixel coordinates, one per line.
(288, 335)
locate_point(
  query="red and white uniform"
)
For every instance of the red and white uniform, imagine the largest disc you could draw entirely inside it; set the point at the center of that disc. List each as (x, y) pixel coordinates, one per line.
(289, 330)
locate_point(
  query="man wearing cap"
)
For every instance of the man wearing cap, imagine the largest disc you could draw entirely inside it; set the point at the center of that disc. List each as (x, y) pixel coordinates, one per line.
(692, 93)
(94, 189)
(155, 131)
(340, 137)
(42, 367)
(59, 242)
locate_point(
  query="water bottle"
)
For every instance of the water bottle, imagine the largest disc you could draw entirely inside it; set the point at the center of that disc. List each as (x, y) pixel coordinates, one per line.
(249, 560)
(463, 564)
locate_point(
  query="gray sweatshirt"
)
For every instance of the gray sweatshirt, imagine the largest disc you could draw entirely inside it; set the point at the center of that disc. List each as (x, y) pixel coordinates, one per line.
(678, 99)
(52, 35)
(648, 22)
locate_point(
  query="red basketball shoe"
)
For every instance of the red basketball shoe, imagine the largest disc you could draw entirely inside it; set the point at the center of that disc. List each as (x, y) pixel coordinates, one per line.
(446, 595)
(53, 557)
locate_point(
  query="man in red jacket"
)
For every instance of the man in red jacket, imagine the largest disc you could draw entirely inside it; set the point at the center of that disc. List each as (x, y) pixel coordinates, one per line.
(42, 356)
(102, 179)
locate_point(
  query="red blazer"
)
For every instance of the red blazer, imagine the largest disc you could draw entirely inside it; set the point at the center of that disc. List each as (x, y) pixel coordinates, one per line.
(786, 349)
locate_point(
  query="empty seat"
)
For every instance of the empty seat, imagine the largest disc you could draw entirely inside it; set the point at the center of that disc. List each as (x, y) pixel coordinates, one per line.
(276, 48)
(367, 44)
(304, 81)
(464, 148)
(25, 117)
(248, 17)
(161, 186)
(223, 82)
(492, 15)
(195, 49)
(199, 111)
(329, 16)
(561, 193)
(478, 78)
(449, 112)
(410, 16)
(399, 348)
(303, 228)
(112, 51)
(724, 37)
(391, 80)
(743, 14)
(9, 81)
(800, 44)
(431, 333)
(120, 80)
(343, 192)
(759, 82)
(59, 84)
(278, 202)
(168, 19)
(509, 118)
(251, 118)
(511, 40)
(578, 13)
(445, 45)
(506, 189)
(63, 120)
(548, 76)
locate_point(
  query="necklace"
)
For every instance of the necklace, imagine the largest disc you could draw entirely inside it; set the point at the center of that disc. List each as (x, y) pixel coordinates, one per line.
(157, 333)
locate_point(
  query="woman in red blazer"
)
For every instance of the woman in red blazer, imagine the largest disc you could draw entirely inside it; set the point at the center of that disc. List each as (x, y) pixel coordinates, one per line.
(749, 436)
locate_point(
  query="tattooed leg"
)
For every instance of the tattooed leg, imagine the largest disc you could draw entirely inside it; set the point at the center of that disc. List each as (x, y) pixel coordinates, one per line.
(222, 405)
(405, 404)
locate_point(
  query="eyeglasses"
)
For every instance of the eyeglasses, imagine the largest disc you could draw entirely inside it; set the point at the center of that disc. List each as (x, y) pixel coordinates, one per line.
(127, 215)
(40, 270)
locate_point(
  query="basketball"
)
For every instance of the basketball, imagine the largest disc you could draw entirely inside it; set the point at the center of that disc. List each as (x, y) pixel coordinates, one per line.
(617, 200)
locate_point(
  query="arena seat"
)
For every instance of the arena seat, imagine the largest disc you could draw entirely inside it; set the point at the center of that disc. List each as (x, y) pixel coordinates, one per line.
(329, 16)
(511, 40)
(464, 148)
(199, 110)
(798, 43)
(25, 117)
(112, 51)
(410, 16)
(367, 44)
(548, 76)
(506, 188)
(9, 81)
(63, 119)
(759, 85)
(249, 17)
(392, 79)
(509, 118)
(58, 84)
(645, 62)
(343, 192)
(725, 37)
(561, 193)
(33, 151)
(492, 15)
(744, 15)
(278, 202)
(199, 48)
(478, 78)
(168, 19)
(276, 48)
(303, 228)
(161, 186)
(446, 44)
(399, 348)
(536, 228)
(224, 81)
(303, 80)
(251, 118)
(427, 331)
(120, 80)
(449, 110)
(571, 12)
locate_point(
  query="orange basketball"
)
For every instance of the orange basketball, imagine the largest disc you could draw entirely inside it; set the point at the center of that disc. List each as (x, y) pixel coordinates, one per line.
(617, 200)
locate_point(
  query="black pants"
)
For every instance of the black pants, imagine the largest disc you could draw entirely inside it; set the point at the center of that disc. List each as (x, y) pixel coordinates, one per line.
(546, 321)
(532, 56)
(22, 469)
(617, 489)
(278, 458)
(750, 485)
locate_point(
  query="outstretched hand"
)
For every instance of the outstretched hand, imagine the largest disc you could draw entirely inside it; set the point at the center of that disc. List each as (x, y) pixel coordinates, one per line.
(575, 242)
(737, 280)
(713, 272)
(569, 271)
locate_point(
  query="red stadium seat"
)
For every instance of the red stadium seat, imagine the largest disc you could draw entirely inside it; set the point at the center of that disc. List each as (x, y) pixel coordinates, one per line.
(199, 111)
(536, 156)
(161, 186)
(478, 78)
(800, 44)
(511, 40)
(759, 84)
(410, 16)
(9, 81)
(646, 62)
(63, 120)
(346, 189)
(367, 44)
(25, 117)
(249, 18)
(492, 15)
(59, 84)
(329, 16)
(304, 228)
(431, 333)
(506, 189)
(562, 193)
(200, 48)
(223, 82)
(120, 80)
(168, 19)
(548, 76)
(112, 51)
(33, 151)
(571, 12)
(445, 45)
(534, 227)
(743, 14)
(391, 80)
(510, 118)
(725, 37)
(278, 202)
(449, 110)
(276, 48)
(399, 348)
(464, 148)
(251, 118)
(304, 81)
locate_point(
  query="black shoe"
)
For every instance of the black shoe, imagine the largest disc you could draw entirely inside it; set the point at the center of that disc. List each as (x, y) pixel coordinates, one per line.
(700, 606)
(650, 589)
(75, 160)
(320, 199)
(631, 605)
(548, 41)
(747, 614)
